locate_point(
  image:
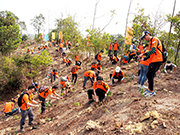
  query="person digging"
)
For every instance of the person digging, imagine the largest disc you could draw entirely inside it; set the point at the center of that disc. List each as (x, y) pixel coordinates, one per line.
(99, 90)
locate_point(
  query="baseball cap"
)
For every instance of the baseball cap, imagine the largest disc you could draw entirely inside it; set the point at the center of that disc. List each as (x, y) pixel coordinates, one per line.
(144, 34)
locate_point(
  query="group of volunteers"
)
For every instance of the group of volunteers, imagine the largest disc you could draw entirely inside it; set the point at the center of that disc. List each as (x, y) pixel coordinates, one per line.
(149, 56)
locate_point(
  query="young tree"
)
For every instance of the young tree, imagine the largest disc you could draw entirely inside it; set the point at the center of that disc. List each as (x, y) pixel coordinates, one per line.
(9, 31)
(176, 25)
(38, 22)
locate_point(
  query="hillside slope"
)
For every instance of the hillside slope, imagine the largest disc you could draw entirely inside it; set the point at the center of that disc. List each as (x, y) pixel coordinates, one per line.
(125, 112)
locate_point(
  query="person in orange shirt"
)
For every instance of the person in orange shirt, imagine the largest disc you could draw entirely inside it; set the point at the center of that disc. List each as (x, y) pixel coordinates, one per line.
(132, 55)
(143, 70)
(117, 74)
(155, 56)
(47, 91)
(110, 49)
(69, 62)
(64, 60)
(9, 108)
(26, 109)
(57, 49)
(94, 65)
(89, 75)
(32, 51)
(74, 72)
(61, 47)
(114, 59)
(99, 90)
(65, 85)
(99, 56)
(54, 74)
(77, 59)
(28, 50)
(116, 48)
(139, 48)
(124, 59)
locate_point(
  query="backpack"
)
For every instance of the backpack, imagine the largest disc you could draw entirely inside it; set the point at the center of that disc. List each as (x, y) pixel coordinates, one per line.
(96, 56)
(164, 53)
(43, 88)
(20, 99)
(63, 79)
(73, 69)
(126, 58)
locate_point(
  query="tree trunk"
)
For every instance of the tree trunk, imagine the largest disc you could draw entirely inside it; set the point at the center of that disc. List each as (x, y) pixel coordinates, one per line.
(171, 24)
(126, 26)
(177, 52)
(95, 13)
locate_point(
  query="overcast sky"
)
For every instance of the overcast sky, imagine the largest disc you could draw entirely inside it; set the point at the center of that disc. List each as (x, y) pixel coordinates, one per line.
(84, 11)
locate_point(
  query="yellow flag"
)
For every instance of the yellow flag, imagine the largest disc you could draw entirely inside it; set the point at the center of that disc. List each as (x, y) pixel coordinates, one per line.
(53, 35)
(129, 33)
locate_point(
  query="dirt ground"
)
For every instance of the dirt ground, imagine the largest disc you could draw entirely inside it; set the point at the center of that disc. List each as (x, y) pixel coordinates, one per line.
(125, 112)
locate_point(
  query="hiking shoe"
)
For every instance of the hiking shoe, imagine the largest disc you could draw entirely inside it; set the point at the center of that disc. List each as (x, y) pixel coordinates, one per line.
(22, 130)
(139, 85)
(34, 127)
(90, 101)
(150, 94)
(84, 88)
(33, 123)
(146, 92)
(44, 112)
(143, 87)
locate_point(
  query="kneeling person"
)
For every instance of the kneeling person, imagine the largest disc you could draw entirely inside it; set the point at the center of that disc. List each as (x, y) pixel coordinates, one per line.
(99, 90)
(117, 74)
(9, 108)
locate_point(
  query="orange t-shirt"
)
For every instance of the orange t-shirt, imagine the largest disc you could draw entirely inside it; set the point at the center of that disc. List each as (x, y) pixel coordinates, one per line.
(63, 84)
(77, 58)
(26, 99)
(94, 66)
(8, 107)
(100, 86)
(116, 46)
(99, 56)
(64, 60)
(157, 56)
(45, 93)
(110, 47)
(76, 69)
(54, 73)
(90, 74)
(140, 47)
(117, 74)
(146, 62)
(61, 45)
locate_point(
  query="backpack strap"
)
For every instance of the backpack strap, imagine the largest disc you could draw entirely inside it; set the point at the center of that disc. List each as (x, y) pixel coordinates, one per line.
(45, 91)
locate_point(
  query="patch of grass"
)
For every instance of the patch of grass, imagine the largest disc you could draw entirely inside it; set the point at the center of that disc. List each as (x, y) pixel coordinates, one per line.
(48, 119)
(76, 103)
(16, 117)
(109, 94)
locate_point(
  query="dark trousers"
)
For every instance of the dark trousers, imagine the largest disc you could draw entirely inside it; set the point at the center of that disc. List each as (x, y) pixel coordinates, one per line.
(53, 76)
(153, 67)
(99, 92)
(42, 104)
(130, 57)
(119, 77)
(74, 77)
(115, 53)
(10, 113)
(109, 52)
(169, 67)
(114, 62)
(24, 114)
(78, 62)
